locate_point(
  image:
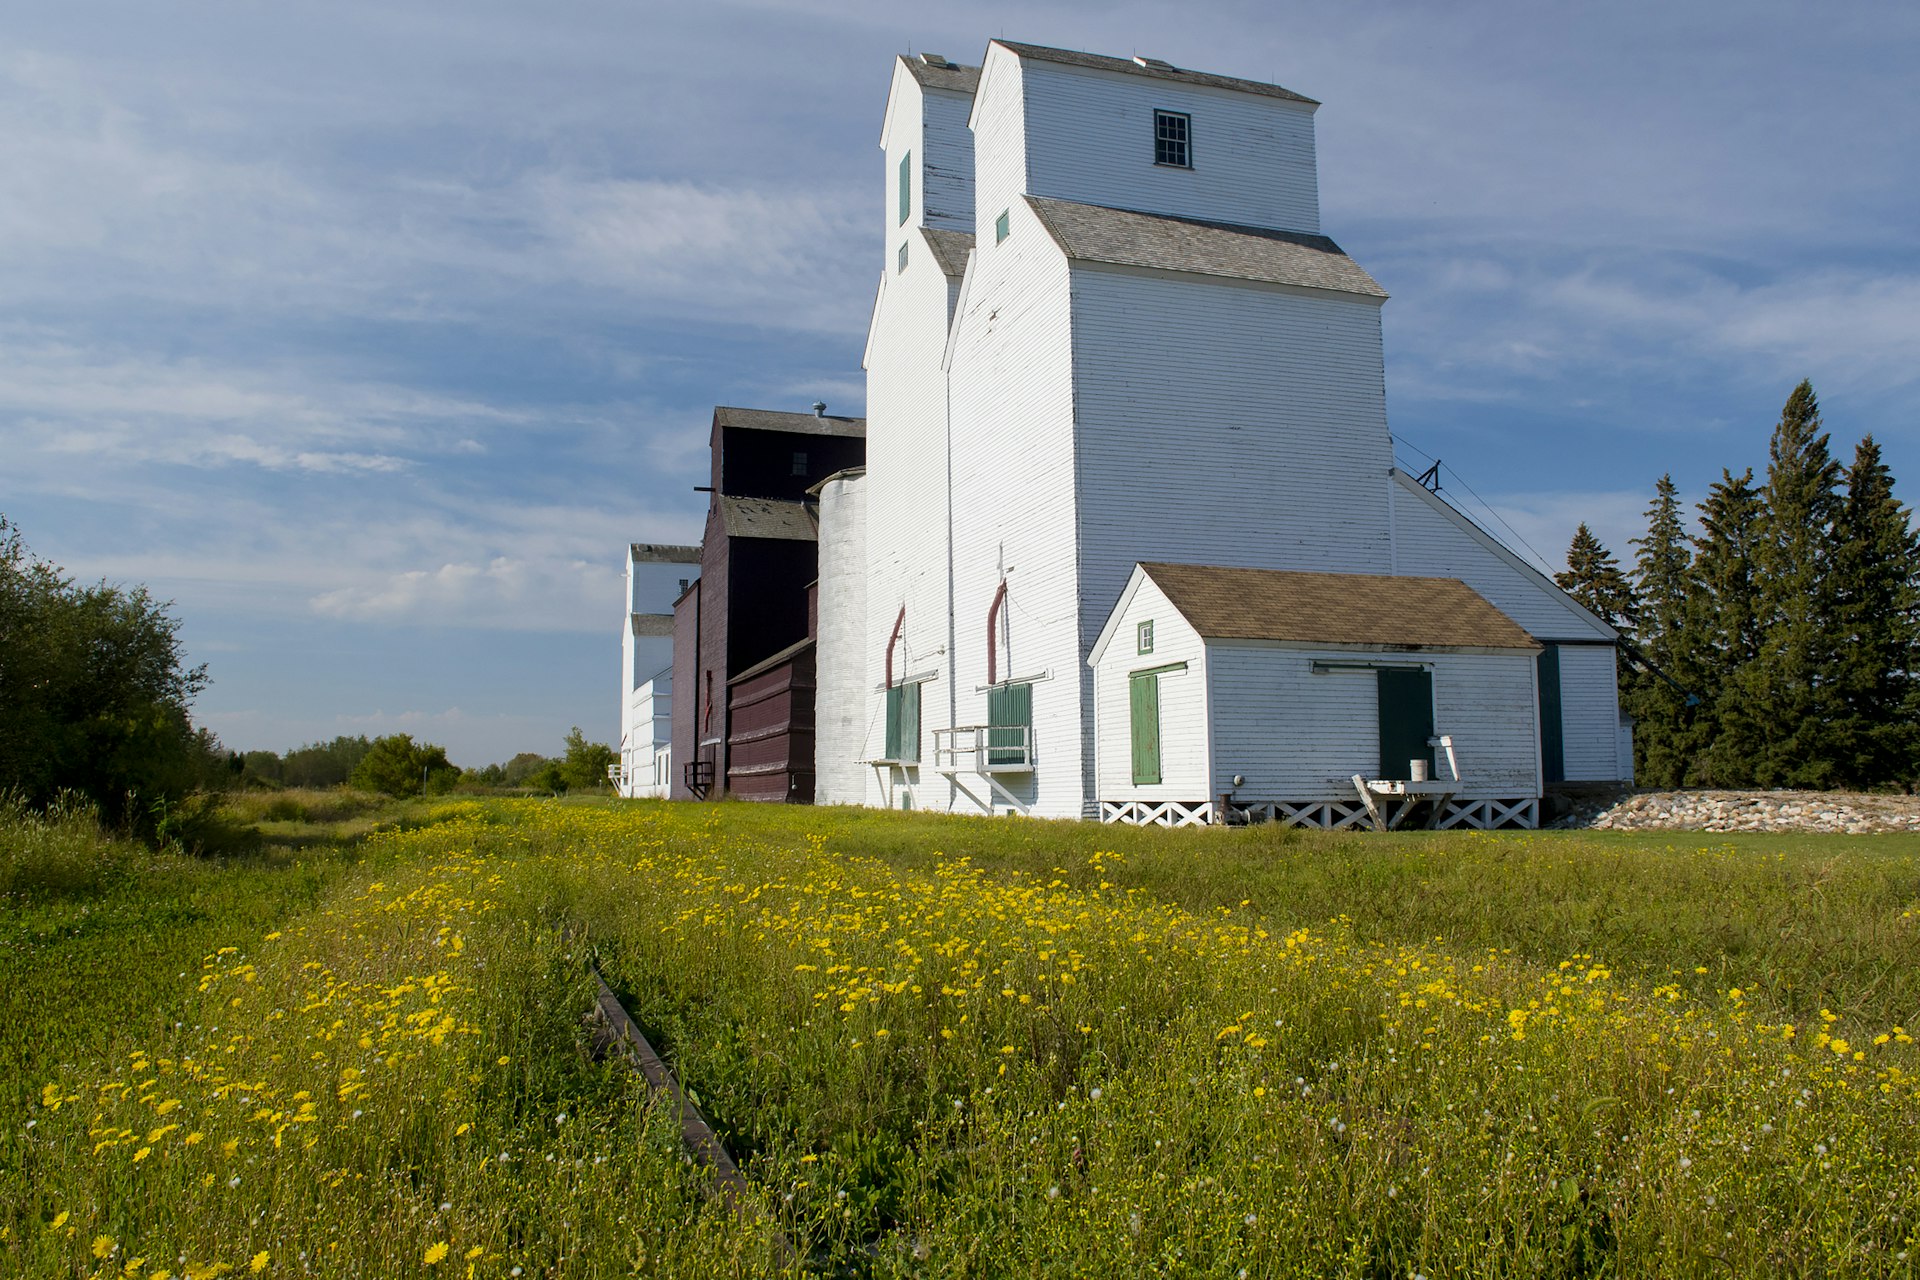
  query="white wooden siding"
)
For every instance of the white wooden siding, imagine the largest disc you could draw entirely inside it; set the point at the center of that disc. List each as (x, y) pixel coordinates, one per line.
(998, 123)
(1296, 736)
(1011, 376)
(1431, 540)
(906, 486)
(1183, 704)
(1090, 136)
(1590, 714)
(947, 160)
(1225, 425)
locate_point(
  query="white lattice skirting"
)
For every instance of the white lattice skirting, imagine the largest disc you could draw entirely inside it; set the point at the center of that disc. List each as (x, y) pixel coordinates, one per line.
(1327, 815)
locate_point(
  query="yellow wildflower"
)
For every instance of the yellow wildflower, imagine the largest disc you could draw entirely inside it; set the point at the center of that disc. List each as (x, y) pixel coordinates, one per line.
(435, 1252)
(103, 1246)
(259, 1261)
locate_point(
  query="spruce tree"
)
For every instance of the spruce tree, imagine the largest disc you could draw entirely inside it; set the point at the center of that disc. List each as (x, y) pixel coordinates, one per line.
(1593, 577)
(1724, 631)
(1665, 735)
(1876, 616)
(1790, 686)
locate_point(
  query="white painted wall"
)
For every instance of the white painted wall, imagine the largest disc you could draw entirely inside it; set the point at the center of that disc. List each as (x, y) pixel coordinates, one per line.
(1297, 736)
(1590, 714)
(905, 493)
(1090, 138)
(1222, 424)
(1184, 768)
(1011, 380)
(1432, 540)
(840, 698)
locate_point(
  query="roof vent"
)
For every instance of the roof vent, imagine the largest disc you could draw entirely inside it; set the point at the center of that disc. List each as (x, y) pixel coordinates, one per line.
(819, 408)
(934, 60)
(1153, 64)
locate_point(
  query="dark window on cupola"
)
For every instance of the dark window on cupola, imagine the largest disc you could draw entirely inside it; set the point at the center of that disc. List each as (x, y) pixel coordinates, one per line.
(1172, 134)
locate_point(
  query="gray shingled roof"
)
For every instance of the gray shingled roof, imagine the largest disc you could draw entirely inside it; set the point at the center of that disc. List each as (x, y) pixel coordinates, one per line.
(775, 420)
(767, 518)
(953, 76)
(662, 553)
(1092, 233)
(950, 248)
(1336, 608)
(1100, 62)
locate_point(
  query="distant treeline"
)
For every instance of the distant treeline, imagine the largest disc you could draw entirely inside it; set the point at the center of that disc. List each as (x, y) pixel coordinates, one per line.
(398, 765)
(1777, 646)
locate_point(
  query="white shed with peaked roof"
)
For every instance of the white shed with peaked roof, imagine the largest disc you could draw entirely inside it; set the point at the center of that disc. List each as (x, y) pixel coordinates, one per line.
(1222, 693)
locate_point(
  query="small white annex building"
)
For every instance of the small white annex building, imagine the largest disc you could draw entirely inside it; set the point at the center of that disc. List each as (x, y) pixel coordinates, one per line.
(1110, 331)
(1227, 693)
(655, 576)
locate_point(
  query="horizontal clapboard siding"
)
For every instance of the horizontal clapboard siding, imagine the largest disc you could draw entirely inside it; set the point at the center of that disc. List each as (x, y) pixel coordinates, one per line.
(1590, 714)
(1433, 541)
(1090, 138)
(1183, 704)
(1222, 425)
(906, 484)
(947, 148)
(1013, 502)
(1298, 736)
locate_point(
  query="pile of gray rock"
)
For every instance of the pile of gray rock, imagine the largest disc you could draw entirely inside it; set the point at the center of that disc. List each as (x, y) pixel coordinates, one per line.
(1833, 811)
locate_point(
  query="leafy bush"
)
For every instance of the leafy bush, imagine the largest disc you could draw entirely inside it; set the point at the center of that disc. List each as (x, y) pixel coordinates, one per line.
(94, 694)
(398, 766)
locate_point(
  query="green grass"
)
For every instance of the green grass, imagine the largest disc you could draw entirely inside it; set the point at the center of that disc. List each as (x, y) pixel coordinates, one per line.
(958, 1047)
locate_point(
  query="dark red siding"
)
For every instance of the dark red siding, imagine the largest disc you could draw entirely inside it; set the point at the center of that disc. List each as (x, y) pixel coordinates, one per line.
(770, 744)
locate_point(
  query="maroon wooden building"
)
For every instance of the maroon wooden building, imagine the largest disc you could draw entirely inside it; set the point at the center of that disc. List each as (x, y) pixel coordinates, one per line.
(743, 642)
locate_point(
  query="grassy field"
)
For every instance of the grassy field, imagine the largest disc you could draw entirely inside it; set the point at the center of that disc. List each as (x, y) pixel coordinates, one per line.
(952, 1047)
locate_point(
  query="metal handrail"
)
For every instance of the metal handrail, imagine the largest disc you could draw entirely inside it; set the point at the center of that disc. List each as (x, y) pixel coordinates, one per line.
(984, 748)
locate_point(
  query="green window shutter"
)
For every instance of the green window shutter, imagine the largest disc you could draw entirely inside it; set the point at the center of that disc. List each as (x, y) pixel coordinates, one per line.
(903, 723)
(1144, 695)
(1553, 748)
(906, 187)
(910, 723)
(1009, 710)
(1000, 228)
(1406, 720)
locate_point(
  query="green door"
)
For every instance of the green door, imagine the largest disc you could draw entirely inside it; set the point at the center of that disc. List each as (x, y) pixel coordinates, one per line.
(1145, 700)
(1406, 720)
(1009, 724)
(1553, 750)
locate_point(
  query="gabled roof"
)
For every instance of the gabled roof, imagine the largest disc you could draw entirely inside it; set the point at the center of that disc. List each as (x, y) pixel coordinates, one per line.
(766, 518)
(950, 249)
(1153, 68)
(774, 420)
(942, 74)
(1335, 608)
(1094, 233)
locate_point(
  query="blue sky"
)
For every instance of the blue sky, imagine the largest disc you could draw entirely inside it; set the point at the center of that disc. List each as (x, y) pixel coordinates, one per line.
(370, 333)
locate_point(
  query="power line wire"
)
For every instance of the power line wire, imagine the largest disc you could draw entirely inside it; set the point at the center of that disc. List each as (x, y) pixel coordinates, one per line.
(1538, 559)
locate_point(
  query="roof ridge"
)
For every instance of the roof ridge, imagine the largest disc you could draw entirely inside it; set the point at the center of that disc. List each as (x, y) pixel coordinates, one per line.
(1152, 69)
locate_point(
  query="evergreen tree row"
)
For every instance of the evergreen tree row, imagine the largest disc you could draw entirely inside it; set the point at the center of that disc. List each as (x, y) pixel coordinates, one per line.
(1777, 646)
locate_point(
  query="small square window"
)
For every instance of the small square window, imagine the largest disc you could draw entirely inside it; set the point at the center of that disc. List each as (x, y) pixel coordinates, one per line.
(903, 257)
(799, 464)
(1171, 134)
(1143, 637)
(1000, 229)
